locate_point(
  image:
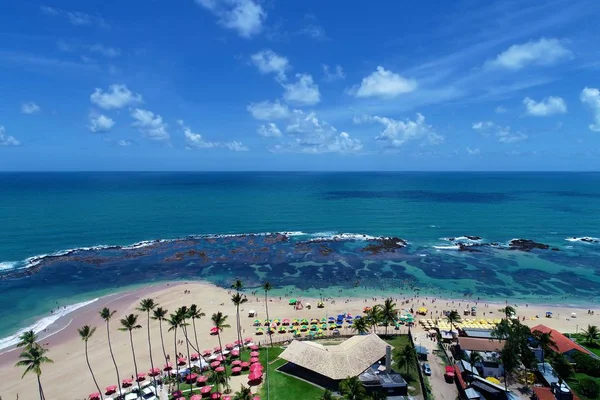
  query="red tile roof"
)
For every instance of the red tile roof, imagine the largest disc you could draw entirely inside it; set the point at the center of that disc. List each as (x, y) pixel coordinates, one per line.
(480, 344)
(543, 393)
(563, 343)
(458, 376)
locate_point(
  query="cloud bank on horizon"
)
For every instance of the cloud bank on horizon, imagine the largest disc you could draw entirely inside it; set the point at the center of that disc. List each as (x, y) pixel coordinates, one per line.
(274, 85)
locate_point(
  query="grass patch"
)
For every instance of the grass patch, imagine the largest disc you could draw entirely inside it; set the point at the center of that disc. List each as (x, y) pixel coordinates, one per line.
(593, 347)
(574, 384)
(412, 377)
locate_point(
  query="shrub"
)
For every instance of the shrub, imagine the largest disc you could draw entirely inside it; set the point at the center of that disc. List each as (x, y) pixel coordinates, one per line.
(589, 387)
(586, 364)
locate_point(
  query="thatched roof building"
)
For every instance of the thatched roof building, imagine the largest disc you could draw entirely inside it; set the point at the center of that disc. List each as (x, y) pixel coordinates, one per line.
(349, 358)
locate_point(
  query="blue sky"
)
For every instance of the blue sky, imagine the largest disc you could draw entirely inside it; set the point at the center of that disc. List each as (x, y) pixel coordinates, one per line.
(300, 85)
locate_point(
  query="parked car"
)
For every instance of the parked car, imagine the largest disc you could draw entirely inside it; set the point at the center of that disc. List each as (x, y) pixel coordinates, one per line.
(426, 369)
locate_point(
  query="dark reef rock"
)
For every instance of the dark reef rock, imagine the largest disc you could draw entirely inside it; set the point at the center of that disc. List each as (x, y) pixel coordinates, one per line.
(526, 245)
(469, 248)
(473, 237)
(385, 245)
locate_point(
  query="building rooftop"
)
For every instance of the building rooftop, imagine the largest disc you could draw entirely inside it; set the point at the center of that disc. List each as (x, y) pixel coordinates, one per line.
(478, 333)
(563, 343)
(349, 358)
(480, 344)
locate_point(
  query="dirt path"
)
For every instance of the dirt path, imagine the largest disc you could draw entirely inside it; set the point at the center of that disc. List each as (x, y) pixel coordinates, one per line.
(441, 389)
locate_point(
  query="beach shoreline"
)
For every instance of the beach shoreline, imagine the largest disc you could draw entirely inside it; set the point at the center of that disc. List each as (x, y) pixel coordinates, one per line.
(66, 348)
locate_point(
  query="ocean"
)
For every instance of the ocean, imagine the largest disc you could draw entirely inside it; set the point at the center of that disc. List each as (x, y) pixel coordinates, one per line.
(66, 238)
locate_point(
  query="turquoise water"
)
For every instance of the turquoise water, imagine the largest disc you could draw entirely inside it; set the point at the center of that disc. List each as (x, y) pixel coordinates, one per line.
(42, 213)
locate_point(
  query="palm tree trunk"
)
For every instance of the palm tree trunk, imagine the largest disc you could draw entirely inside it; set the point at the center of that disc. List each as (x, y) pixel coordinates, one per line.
(135, 368)
(87, 360)
(221, 346)
(267, 311)
(187, 343)
(176, 357)
(162, 341)
(237, 320)
(150, 349)
(197, 349)
(40, 388)
(112, 355)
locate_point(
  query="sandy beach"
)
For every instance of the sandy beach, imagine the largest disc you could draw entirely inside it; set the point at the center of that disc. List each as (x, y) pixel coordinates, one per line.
(68, 378)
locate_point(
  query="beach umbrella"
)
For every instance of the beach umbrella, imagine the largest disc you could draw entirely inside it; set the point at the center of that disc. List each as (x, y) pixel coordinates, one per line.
(220, 369)
(295, 321)
(245, 365)
(217, 349)
(226, 397)
(205, 389)
(94, 396)
(286, 321)
(215, 364)
(256, 398)
(214, 330)
(181, 360)
(331, 318)
(254, 347)
(255, 375)
(127, 382)
(202, 379)
(194, 356)
(111, 389)
(236, 370)
(253, 360)
(493, 380)
(254, 354)
(215, 395)
(191, 377)
(257, 322)
(238, 342)
(154, 372)
(235, 353)
(206, 352)
(177, 394)
(236, 363)
(168, 366)
(196, 397)
(141, 376)
(292, 302)
(229, 346)
(256, 367)
(220, 358)
(248, 340)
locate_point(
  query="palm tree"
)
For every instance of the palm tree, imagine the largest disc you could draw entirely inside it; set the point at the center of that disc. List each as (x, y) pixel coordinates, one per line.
(238, 285)
(453, 318)
(129, 323)
(27, 339)
(509, 311)
(106, 314)
(195, 313)
(373, 316)
(147, 305)
(183, 313)
(244, 394)
(352, 389)
(32, 359)
(405, 357)
(327, 395)
(267, 287)
(591, 334)
(218, 379)
(174, 321)
(388, 313)
(86, 332)
(159, 314)
(546, 344)
(220, 322)
(379, 395)
(360, 325)
(474, 358)
(237, 299)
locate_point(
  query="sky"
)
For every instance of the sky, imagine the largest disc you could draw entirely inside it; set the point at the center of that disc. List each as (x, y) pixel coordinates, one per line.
(208, 85)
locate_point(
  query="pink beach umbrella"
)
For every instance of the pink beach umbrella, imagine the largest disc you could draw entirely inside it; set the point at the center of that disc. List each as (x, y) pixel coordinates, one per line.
(248, 340)
(220, 358)
(194, 356)
(127, 382)
(196, 397)
(220, 369)
(229, 346)
(94, 396)
(245, 365)
(253, 360)
(256, 398)
(168, 366)
(254, 354)
(111, 389)
(202, 379)
(226, 398)
(154, 372)
(237, 342)
(235, 353)
(254, 347)
(207, 352)
(236, 370)
(205, 389)
(236, 363)
(214, 330)
(181, 361)
(191, 377)
(215, 395)
(217, 349)
(255, 376)
(215, 364)
(256, 367)
(141, 376)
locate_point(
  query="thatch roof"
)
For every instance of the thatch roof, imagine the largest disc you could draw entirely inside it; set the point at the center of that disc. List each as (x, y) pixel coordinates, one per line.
(349, 358)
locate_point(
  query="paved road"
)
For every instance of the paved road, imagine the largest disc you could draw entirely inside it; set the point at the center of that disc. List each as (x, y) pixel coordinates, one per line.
(441, 389)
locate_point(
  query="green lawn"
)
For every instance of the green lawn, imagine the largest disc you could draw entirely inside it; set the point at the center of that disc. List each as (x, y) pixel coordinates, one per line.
(574, 384)
(593, 347)
(412, 378)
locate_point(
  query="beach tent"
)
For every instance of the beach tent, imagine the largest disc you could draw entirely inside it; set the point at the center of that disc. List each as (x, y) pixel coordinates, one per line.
(94, 396)
(251, 313)
(293, 302)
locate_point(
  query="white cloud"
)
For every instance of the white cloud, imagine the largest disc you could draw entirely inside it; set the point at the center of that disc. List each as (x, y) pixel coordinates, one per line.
(268, 111)
(195, 140)
(591, 98)
(106, 51)
(124, 143)
(101, 123)
(269, 130)
(76, 18)
(541, 52)
(269, 62)
(150, 124)
(315, 32)
(504, 134)
(397, 133)
(384, 83)
(548, 106)
(244, 16)
(30, 108)
(473, 152)
(118, 96)
(333, 74)
(500, 110)
(7, 140)
(314, 136)
(304, 92)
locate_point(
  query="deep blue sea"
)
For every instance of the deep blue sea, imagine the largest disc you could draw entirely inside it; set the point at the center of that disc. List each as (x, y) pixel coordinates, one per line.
(46, 213)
